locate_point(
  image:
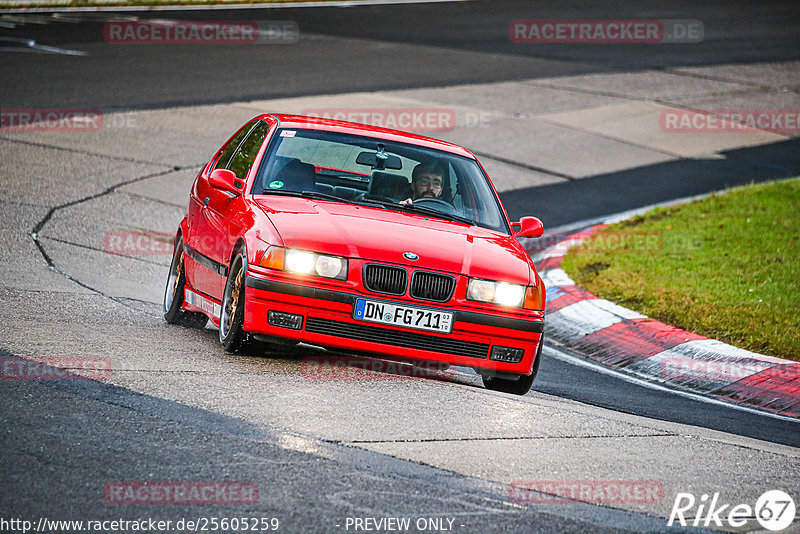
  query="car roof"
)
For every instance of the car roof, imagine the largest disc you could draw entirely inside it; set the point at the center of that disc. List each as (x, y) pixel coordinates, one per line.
(318, 123)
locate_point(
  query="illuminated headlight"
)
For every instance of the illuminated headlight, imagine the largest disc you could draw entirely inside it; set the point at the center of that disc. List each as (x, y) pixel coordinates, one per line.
(501, 293)
(300, 261)
(509, 295)
(305, 262)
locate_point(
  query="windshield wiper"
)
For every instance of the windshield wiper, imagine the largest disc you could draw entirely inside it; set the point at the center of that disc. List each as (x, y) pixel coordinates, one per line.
(305, 194)
(436, 213)
(416, 209)
(368, 200)
(371, 201)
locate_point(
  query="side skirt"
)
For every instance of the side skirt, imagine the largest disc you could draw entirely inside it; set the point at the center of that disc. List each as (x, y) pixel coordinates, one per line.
(194, 301)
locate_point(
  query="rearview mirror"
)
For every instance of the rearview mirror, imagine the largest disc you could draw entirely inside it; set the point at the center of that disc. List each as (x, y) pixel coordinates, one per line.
(379, 161)
(225, 180)
(528, 227)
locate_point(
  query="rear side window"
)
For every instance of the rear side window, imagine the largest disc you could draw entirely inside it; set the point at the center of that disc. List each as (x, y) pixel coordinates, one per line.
(233, 144)
(244, 156)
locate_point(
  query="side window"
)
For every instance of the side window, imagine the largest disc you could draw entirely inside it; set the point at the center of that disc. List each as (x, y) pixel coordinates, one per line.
(243, 158)
(233, 144)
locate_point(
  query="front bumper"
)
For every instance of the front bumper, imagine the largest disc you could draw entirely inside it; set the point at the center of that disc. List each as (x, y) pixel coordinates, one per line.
(327, 320)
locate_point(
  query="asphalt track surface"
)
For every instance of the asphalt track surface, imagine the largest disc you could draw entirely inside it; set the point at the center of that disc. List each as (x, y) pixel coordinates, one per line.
(419, 45)
(131, 77)
(83, 432)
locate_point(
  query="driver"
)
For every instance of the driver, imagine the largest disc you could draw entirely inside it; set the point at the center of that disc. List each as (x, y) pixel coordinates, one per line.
(427, 181)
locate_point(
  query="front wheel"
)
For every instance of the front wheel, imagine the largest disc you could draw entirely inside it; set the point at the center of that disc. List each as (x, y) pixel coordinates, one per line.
(231, 330)
(520, 386)
(173, 294)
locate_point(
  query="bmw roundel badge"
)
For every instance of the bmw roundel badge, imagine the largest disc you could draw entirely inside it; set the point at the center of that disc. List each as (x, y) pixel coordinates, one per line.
(410, 256)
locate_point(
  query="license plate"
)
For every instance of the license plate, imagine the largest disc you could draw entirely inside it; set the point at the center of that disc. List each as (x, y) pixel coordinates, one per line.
(407, 316)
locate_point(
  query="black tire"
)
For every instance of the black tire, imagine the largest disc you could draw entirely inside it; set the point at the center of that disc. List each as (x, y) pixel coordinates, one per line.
(232, 334)
(521, 385)
(173, 294)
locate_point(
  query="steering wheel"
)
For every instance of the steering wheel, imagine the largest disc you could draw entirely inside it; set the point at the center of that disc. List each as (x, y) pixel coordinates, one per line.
(436, 204)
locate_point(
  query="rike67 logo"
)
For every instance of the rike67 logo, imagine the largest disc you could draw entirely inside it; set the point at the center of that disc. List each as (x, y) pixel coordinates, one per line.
(774, 510)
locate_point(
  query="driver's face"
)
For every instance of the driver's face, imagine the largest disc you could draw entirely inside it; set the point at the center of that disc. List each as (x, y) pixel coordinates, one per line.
(427, 185)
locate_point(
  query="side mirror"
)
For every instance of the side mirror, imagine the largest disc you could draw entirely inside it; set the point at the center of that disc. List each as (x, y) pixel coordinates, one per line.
(528, 227)
(225, 180)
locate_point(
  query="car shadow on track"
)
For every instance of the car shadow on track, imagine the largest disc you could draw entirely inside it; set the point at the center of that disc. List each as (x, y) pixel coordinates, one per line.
(317, 363)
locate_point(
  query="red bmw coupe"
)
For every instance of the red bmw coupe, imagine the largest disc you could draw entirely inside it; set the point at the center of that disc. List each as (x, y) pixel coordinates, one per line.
(359, 238)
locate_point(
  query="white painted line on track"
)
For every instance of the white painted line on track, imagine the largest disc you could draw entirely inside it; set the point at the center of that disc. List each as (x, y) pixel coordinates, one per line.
(275, 5)
(56, 50)
(29, 45)
(574, 360)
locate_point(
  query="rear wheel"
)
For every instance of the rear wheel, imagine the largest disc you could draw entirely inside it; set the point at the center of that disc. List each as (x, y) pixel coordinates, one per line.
(173, 294)
(231, 330)
(520, 386)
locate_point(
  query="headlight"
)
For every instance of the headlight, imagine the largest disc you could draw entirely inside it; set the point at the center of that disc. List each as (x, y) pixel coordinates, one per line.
(330, 266)
(501, 293)
(305, 262)
(509, 295)
(300, 261)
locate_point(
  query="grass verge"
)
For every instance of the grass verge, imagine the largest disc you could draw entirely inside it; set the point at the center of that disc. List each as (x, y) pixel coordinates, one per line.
(726, 267)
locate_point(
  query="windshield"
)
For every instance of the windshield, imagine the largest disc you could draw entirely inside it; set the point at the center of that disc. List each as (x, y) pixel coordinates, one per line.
(357, 169)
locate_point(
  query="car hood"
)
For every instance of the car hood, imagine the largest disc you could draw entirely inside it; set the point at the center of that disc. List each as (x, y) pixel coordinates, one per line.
(383, 235)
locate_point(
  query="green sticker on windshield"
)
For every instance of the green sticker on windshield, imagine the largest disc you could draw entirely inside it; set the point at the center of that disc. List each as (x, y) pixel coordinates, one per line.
(276, 184)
